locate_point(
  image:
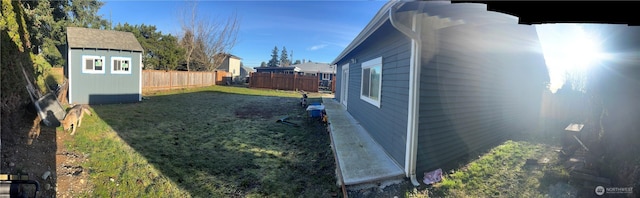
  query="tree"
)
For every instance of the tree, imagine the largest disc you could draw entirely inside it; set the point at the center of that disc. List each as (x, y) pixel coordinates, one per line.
(207, 41)
(263, 64)
(274, 57)
(83, 13)
(297, 62)
(284, 58)
(160, 51)
(47, 21)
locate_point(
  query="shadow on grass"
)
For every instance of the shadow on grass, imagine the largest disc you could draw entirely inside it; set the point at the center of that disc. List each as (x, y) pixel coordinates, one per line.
(217, 144)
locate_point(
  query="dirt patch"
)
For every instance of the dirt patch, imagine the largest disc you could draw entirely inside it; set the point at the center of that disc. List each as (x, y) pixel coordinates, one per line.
(394, 190)
(72, 177)
(254, 111)
(267, 109)
(39, 151)
(34, 160)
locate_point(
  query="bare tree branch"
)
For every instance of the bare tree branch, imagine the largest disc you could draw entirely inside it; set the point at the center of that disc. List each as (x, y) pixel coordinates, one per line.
(207, 42)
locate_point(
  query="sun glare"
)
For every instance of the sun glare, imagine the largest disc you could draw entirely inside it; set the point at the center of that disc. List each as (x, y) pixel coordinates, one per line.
(583, 51)
(568, 50)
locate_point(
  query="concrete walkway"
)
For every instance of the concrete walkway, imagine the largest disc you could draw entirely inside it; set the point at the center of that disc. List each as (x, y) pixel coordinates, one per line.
(360, 158)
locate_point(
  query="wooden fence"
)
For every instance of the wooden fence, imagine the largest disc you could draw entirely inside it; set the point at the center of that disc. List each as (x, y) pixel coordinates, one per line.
(284, 82)
(223, 77)
(162, 80)
(333, 84)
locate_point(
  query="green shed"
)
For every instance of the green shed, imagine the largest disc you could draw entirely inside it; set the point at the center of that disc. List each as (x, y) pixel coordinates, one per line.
(103, 66)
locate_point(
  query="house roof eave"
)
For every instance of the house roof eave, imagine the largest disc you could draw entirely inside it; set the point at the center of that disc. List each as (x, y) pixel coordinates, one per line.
(377, 21)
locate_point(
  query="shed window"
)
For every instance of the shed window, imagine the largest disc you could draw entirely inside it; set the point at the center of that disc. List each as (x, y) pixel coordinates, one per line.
(372, 81)
(93, 64)
(121, 65)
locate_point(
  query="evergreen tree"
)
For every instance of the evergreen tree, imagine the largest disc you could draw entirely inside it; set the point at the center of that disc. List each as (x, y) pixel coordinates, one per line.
(263, 64)
(47, 21)
(160, 51)
(284, 58)
(274, 58)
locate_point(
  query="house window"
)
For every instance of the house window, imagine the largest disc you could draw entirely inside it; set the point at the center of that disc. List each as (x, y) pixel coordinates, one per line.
(372, 81)
(93, 64)
(121, 65)
(326, 76)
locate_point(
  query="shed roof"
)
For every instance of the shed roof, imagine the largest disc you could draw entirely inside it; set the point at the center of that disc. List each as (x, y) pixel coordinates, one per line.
(78, 37)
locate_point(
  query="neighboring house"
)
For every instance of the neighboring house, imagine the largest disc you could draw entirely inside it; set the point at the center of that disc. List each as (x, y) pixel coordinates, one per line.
(325, 72)
(231, 64)
(433, 82)
(283, 70)
(103, 66)
(245, 72)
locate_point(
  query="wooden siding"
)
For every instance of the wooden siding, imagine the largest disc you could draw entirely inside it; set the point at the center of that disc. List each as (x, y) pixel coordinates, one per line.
(387, 124)
(484, 82)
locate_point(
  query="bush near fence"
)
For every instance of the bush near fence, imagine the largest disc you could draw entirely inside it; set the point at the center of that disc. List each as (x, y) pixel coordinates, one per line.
(292, 82)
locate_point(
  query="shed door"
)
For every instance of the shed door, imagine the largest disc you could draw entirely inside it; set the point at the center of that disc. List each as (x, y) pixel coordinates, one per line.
(344, 89)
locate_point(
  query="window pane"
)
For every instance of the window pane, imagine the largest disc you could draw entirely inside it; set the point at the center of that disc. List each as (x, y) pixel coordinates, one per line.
(365, 82)
(88, 64)
(98, 63)
(116, 65)
(375, 82)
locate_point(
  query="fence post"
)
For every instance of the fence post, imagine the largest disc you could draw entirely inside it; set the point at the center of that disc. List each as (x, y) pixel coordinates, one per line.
(170, 80)
(295, 81)
(271, 80)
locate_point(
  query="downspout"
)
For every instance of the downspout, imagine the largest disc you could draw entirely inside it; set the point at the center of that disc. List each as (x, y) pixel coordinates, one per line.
(414, 86)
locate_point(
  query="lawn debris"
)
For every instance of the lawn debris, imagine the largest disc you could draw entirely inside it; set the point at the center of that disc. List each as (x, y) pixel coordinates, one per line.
(283, 120)
(433, 176)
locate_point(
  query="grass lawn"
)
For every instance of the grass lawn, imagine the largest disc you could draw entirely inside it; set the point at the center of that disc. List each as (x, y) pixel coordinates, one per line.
(207, 142)
(503, 172)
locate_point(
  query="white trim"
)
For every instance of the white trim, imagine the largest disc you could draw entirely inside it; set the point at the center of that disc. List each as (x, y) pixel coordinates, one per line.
(344, 83)
(139, 78)
(328, 76)
(70, 91)
(113, 66)
(93, 71)
(414, 34)
(369, 64)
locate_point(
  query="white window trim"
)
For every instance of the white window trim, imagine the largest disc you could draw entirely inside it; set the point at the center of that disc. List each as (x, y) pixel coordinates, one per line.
(84, 63)
(369, 64)
(113, 71)
(326, 76)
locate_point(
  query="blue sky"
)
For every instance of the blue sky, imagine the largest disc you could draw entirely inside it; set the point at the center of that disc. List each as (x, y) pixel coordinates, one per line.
(313, 30)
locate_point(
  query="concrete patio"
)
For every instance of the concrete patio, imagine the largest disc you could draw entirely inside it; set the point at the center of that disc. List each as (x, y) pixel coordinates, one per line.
(361, 160)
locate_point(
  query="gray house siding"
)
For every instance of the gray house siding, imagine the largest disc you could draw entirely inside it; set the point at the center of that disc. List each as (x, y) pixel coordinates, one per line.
(485, 82)
(387, 124)
(106, 87)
